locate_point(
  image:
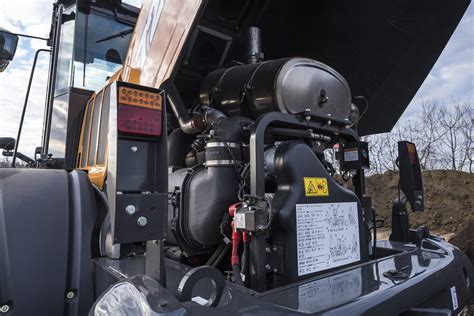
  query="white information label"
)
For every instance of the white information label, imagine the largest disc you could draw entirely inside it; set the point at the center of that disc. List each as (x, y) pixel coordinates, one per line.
(327, 236)
(351, 154)
(454, 298)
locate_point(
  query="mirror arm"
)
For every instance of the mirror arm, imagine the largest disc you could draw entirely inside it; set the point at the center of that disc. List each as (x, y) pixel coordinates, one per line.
(21, 156)
(31, 36)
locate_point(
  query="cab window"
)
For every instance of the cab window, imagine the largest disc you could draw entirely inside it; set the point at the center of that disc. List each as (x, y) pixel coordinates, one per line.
(99, 50)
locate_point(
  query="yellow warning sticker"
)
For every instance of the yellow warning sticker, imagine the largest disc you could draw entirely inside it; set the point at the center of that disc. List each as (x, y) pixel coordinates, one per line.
(316, 186)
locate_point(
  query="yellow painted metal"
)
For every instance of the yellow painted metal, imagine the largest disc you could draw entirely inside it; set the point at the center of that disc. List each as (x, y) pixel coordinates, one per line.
(157, 41)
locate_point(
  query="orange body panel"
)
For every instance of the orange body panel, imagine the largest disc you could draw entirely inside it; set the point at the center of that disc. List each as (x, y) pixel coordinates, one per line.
(97, 172)
(158, 38)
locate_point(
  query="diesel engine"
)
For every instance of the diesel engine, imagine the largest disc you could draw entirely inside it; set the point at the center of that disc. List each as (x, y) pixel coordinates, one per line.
(250, 190)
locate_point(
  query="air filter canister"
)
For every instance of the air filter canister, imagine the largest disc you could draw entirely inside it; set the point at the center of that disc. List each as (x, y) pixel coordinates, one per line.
(289, 85)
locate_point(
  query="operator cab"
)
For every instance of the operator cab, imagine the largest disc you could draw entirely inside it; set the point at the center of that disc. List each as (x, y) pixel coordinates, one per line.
(93, 44)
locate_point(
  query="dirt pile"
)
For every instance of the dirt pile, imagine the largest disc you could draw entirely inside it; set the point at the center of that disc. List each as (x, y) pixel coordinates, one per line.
(449, 199)
(449, 204)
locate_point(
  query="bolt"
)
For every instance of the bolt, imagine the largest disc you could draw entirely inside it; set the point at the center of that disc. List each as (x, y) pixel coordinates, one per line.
(4, 309)
(267, 249)
(268, 267)
(70, 295)
(134, 149)
(141, 221)
(275, 248)
(163, 303)
(130, 209)
(275, 270)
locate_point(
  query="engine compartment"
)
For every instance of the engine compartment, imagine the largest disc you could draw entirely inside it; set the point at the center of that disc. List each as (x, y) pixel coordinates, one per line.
(250, 189)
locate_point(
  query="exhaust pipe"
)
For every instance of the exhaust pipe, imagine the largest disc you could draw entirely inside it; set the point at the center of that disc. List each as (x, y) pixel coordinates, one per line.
(190, 125)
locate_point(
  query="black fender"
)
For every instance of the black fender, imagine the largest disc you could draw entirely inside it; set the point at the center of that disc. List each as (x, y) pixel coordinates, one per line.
(46, 223)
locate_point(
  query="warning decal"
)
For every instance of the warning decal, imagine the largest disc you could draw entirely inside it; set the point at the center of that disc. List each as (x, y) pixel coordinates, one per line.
(316, 186)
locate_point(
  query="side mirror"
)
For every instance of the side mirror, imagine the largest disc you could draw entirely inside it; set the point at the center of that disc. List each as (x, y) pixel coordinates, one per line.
(8, 44)
(410, 175)
(411, 185)
(7, 143)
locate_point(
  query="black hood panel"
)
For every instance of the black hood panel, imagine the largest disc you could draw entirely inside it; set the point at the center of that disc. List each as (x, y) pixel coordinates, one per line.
(384, 49)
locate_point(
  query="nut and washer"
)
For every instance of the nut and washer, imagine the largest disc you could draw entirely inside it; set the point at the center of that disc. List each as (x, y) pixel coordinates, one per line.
(134, 149)
(142, 221)
(4, 309)
(130, 209)
(267, 249)
(70, 295)
(268, 267)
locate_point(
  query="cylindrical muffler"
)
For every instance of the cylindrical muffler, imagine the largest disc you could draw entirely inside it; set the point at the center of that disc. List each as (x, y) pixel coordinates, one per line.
(289, 85)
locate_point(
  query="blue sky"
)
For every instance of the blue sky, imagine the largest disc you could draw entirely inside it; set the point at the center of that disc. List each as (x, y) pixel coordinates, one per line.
(451, 78)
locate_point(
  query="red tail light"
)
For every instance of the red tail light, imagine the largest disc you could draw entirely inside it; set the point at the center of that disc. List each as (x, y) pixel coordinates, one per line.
(412, 153)
(139, 120)
(139, 112)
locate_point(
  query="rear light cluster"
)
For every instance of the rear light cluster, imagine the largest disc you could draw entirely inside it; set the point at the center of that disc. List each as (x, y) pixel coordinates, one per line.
(136, 97)
(139, 120)
(139, 112)
(412, 153)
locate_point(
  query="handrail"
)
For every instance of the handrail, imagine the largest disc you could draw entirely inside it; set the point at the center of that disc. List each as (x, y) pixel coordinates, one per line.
(15, 151)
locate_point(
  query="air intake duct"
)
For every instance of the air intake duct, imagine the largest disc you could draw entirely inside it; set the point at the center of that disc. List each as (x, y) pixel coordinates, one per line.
(289, 85)
(202, 194)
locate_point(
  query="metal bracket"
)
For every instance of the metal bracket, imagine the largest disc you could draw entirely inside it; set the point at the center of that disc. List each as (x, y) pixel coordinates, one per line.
(155, 261)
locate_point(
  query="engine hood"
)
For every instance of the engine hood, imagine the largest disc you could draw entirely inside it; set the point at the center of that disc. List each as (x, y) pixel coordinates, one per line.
(384, 49)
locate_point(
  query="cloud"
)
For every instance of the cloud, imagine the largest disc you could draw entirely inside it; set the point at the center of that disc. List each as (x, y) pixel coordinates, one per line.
(452, 77)
(33, 18)
(13, 90)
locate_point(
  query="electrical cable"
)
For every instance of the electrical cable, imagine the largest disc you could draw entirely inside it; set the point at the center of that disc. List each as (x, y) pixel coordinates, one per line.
(221, 255)
(242, 184)
(361, 97)
(236, 275)
(270, 212)
(244, 259)
(215, 254)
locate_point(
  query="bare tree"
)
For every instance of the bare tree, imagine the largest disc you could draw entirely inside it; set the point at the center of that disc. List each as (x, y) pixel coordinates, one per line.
(443, 135)
(467, 130)
(426, 133)
(454, 120)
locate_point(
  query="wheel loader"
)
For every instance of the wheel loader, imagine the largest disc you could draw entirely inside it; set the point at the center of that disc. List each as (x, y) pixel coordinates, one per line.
(184, 164)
